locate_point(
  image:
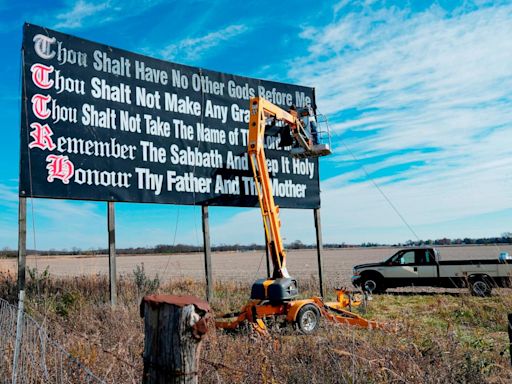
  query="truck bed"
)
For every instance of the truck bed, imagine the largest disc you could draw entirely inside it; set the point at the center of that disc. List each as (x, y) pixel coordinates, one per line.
(472, 262)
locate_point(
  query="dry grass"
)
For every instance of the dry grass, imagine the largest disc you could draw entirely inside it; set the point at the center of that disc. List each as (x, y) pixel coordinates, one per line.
(442, 338)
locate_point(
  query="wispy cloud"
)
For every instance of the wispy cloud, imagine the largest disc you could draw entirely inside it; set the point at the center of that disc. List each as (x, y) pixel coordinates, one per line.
(424, 100)
(66, 224)
(80, 11)
(8, 195)
(191, 49)
(434, 79)
(83, 13)
(52, 223)
(429, 73)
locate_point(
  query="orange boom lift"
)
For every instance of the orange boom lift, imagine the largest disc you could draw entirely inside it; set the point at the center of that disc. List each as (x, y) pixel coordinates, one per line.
(276, 296)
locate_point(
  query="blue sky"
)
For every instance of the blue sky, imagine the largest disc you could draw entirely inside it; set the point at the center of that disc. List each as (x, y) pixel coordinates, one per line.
(418, 93)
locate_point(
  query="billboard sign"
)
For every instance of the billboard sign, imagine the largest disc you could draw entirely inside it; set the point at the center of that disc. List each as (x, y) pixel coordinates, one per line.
(100, 123)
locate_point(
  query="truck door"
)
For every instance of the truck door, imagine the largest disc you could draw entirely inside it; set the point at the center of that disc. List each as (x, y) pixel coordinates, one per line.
(403, 268)
(426, 267)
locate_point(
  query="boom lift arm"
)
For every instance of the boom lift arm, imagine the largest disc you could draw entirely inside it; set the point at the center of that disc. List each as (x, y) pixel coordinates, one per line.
(261, 111)
(276, 296)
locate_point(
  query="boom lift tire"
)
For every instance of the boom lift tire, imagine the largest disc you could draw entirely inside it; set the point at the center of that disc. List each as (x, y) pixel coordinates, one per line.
(308, 319)
(480, 286)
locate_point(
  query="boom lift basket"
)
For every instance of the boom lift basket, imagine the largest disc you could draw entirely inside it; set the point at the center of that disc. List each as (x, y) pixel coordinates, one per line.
(313, 142)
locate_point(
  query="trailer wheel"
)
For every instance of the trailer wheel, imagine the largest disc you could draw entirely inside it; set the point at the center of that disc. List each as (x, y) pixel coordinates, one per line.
(480, 286)
(308, 319)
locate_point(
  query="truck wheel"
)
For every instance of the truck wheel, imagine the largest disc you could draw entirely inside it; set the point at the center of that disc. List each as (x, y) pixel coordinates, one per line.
(480, 287)
(372, 284)
(308, 319)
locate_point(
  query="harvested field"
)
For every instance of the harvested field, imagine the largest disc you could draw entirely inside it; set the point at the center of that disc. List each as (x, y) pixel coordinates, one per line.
(240, 266)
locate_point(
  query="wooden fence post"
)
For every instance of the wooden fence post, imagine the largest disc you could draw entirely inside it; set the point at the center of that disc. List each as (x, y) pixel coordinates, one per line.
(510, 335)
(174, 327)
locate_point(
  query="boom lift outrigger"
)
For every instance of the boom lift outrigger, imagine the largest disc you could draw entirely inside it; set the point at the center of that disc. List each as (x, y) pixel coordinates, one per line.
(276, 296)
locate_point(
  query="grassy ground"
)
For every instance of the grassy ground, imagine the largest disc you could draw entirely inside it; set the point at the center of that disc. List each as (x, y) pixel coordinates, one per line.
(440, 338)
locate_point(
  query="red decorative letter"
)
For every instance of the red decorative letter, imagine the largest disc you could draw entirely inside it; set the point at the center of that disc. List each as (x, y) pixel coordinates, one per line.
(59, 168)
(40, 74)
(42, 135)
(39, 106)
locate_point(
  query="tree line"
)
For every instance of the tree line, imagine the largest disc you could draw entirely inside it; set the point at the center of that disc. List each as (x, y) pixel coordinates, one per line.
(505, 238)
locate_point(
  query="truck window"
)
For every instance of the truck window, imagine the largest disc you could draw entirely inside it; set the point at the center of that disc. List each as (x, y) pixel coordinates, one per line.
(404, 258)
(423, 256)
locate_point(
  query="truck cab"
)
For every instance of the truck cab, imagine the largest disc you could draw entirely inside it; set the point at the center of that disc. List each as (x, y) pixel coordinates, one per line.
(422, 267)
(419, 265)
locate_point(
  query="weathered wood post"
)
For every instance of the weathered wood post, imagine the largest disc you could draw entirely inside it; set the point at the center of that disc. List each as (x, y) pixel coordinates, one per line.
(510, 335)
(174, 327)
(319, 249)
(22, 243)
(207, 253)
(112, 252)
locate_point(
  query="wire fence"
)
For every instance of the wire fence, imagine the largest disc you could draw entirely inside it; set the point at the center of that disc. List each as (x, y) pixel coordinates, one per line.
(40, 359)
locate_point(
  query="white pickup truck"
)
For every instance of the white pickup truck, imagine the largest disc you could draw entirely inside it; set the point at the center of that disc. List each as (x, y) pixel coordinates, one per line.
(422, 267)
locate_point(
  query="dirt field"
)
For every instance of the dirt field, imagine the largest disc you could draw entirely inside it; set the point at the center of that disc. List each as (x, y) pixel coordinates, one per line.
(237, 265)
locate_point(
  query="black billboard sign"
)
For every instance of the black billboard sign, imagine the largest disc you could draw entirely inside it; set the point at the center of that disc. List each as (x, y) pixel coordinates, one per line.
(100, 123)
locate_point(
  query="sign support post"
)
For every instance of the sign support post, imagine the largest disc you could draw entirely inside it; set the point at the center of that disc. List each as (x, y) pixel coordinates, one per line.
(112, 253)
(319, 248)
(207, 253)
(22, 242)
